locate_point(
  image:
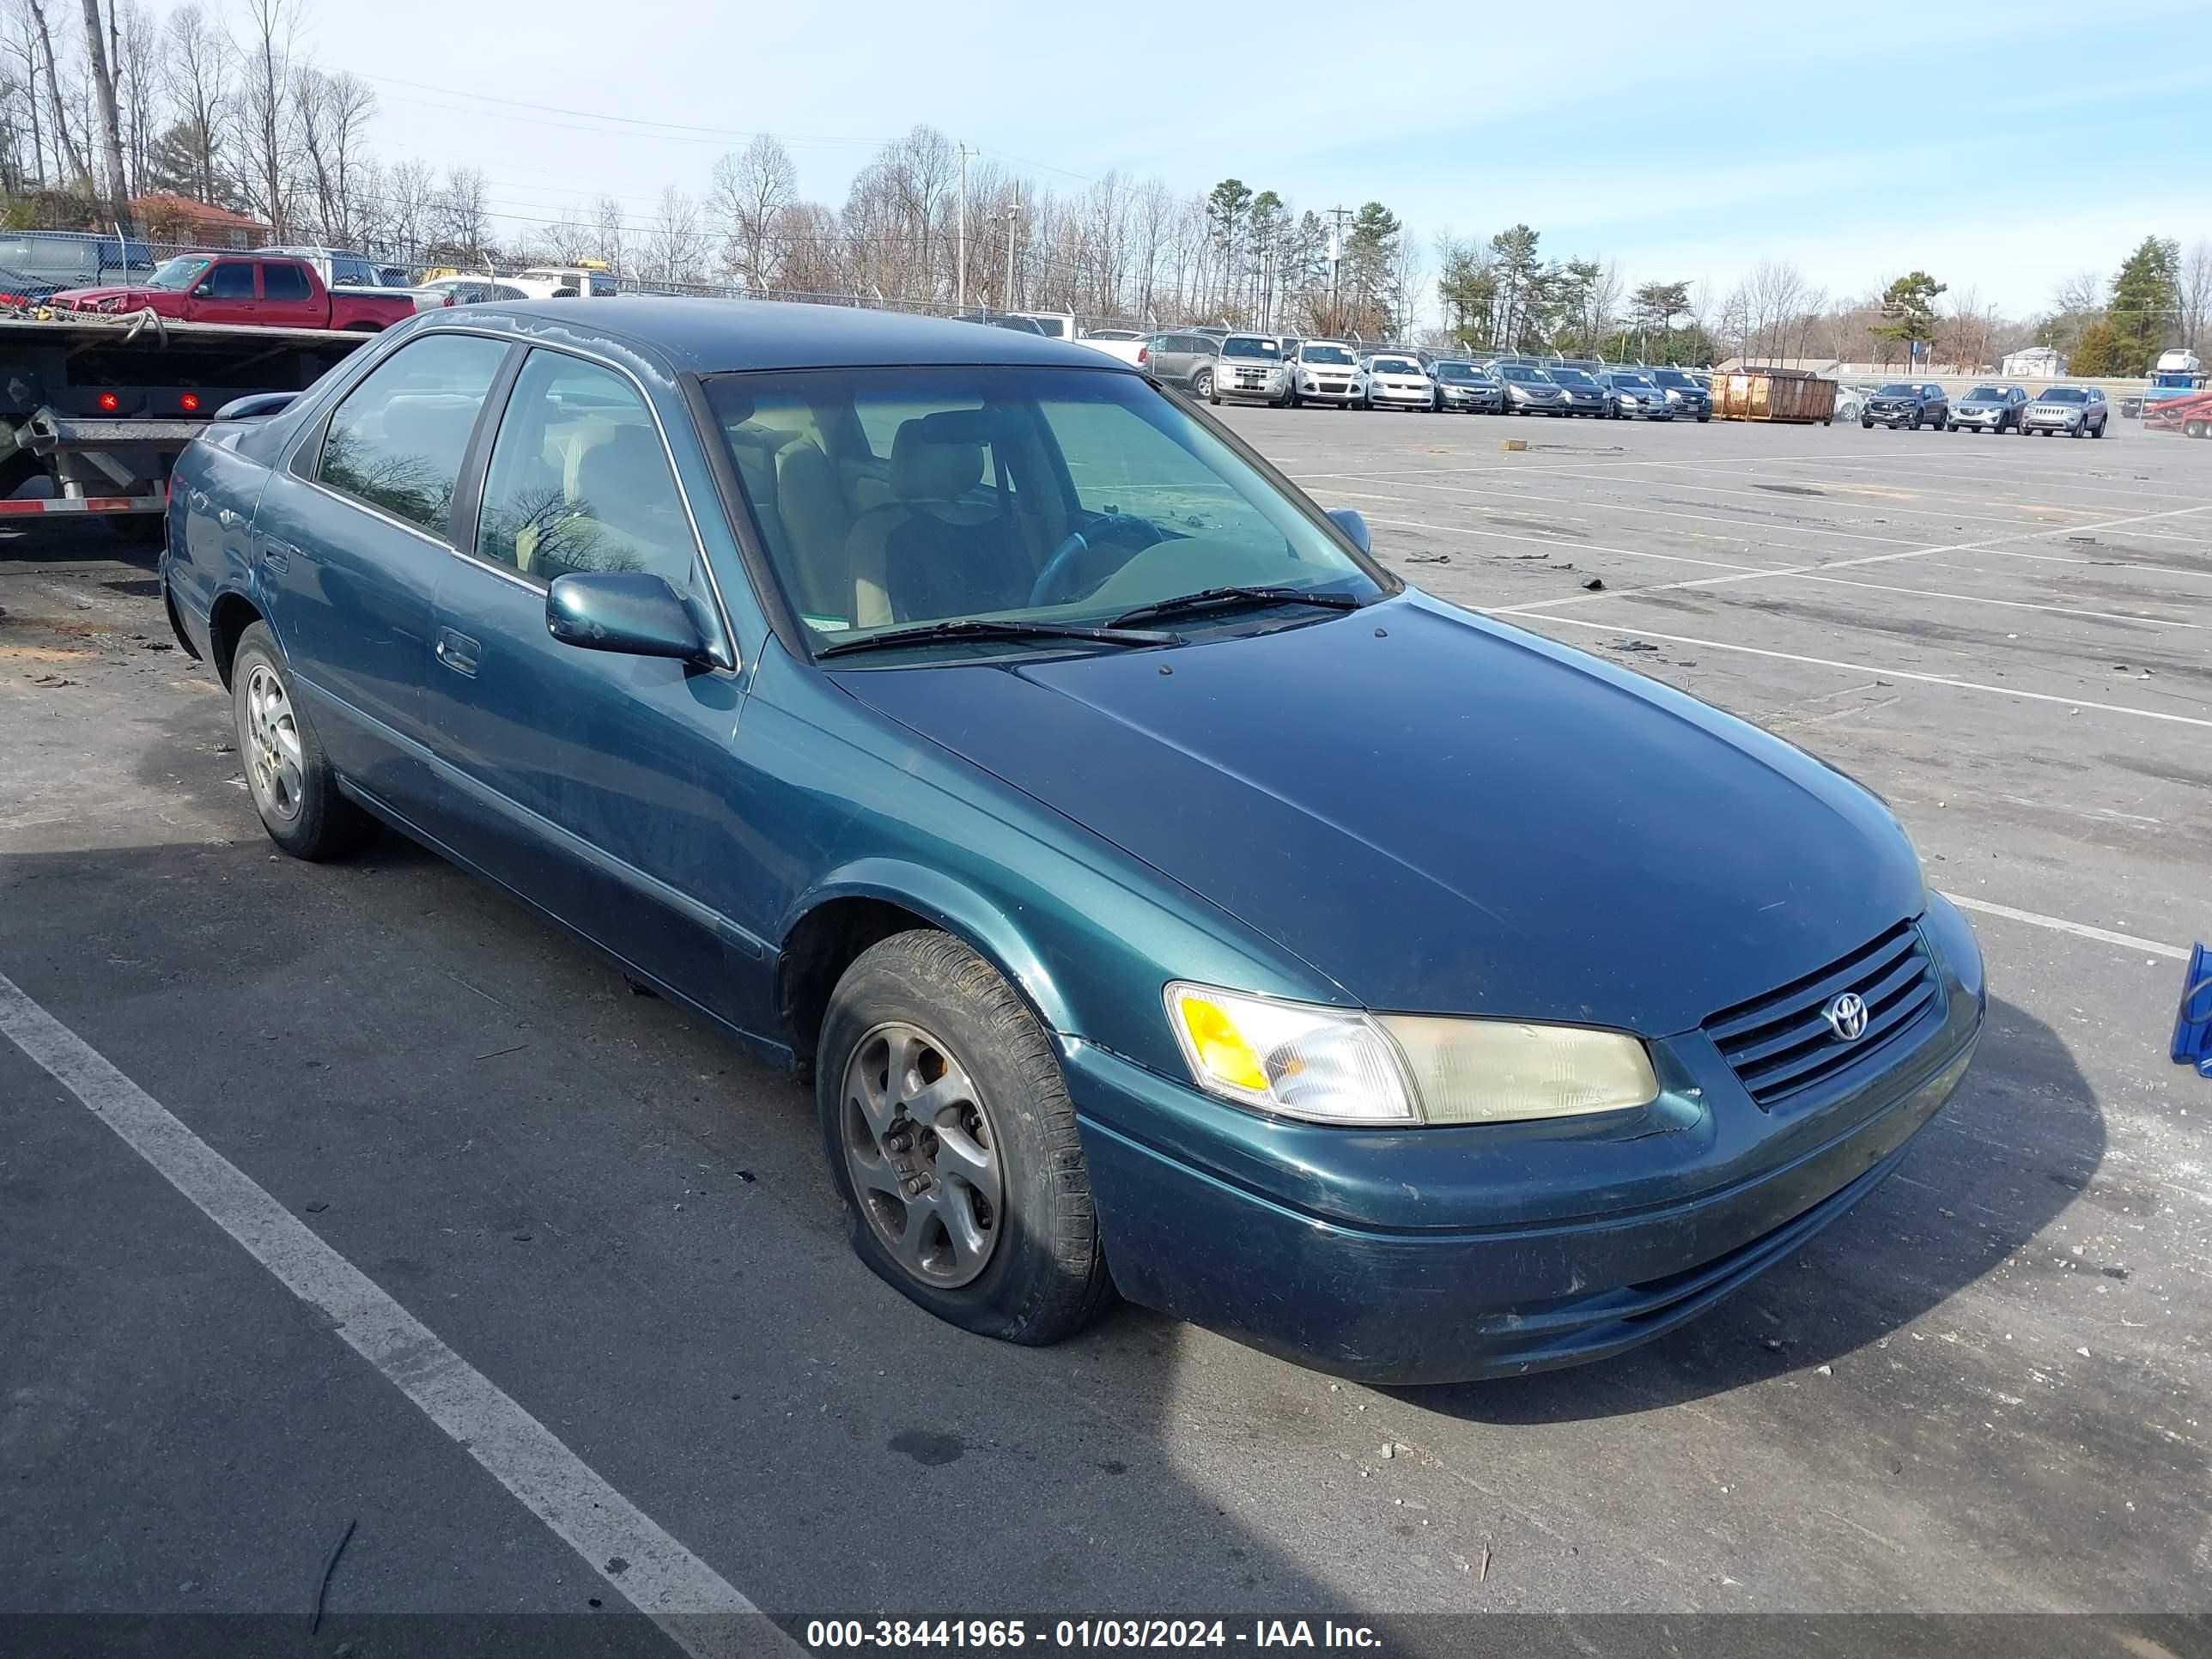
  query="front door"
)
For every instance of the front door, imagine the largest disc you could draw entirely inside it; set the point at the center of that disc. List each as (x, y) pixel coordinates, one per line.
(596, 784)
(226, 293)
(354, 534)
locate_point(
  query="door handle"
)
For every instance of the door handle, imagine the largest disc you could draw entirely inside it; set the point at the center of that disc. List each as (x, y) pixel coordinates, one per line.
(458, 652)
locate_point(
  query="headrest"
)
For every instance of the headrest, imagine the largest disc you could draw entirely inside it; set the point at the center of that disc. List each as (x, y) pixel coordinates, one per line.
(937, 457)
(628, 463)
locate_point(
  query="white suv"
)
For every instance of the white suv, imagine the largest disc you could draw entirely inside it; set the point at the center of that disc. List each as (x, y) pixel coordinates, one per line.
(1250, 368)
(1326, 372)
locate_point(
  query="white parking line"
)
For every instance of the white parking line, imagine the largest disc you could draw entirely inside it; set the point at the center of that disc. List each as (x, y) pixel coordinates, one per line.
(2009, 604)
(1521, 613)
(1747, 529)
(2080, 930)
(1990, 546)
(700, 1611)
(1566, 544)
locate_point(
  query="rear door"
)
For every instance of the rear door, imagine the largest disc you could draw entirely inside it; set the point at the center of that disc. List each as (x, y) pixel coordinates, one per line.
(289, 299)
(596, 784)
(354, 532)
(227, 292)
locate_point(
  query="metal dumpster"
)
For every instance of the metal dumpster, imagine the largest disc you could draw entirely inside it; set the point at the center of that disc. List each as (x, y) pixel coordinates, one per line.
(1774, 394)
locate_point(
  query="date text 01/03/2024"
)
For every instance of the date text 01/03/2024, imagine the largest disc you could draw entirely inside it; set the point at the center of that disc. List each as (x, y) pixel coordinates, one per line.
(1007, 1635)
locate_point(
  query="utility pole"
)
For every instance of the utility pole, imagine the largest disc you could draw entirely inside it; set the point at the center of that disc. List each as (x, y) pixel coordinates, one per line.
(1013, 236)
(1336, 217)
(961, 279)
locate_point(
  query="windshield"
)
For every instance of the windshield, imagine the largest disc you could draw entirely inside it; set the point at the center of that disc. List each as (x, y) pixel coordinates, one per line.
(1525, 375)
(1458, 373)
(1990, 394)
(1395, 366)
(1324, 354)
(177, 274)
(1573, 377)
(1242, 345)
(1059, 495)
(1675, 378)
(1899, 389)
(1641, 382)
(2063, 394)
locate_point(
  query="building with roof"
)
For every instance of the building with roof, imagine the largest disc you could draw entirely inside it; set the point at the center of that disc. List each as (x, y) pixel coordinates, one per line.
(163, 217)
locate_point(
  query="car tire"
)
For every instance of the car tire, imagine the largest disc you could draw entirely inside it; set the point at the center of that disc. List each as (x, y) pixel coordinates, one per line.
(996, 1125)
(287, 775)
(1868, 425)
(2196, 429)
(2097, 431)
(1201, 384)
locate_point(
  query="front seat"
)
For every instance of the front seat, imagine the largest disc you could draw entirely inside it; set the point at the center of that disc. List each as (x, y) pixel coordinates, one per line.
(929, 552)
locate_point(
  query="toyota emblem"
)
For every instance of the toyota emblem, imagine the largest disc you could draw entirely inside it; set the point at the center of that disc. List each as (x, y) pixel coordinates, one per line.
(1847, 1016)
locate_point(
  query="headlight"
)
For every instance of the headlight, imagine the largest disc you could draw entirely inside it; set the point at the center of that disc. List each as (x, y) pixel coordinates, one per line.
(1334, 1066)
(1674, 394)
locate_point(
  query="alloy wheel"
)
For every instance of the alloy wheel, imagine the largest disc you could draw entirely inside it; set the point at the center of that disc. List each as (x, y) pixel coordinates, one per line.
(274, 762)
(922, 1154)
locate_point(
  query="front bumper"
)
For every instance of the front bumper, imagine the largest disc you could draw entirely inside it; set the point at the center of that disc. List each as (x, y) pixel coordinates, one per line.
(1227, 384)
(1644, 410)
(2035, 423)
(1447, 1254)
(1477, 402)
(1405, 397)
(1324, 391)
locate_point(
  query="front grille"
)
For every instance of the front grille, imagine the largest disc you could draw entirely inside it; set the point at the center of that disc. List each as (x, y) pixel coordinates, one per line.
(1781, 1045)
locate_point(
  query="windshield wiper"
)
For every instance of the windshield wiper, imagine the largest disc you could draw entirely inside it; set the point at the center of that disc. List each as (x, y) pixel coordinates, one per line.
(991, 627)
(1234, 599)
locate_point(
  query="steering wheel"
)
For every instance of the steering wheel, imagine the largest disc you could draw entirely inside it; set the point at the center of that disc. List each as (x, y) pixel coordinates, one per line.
(1063, 557)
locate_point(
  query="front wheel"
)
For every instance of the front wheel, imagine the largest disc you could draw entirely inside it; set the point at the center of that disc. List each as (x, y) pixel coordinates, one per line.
(293, 787)
(1868, 425)
(953, 1141)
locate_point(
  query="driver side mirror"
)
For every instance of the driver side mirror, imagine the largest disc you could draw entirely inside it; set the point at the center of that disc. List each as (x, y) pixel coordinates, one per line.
(1354, 527)
(630, 611)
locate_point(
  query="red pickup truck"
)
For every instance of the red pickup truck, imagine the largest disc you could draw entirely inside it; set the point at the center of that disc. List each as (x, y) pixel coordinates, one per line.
(243, 288)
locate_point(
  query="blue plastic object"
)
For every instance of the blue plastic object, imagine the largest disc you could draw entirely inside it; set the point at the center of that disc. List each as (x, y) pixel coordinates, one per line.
(2192, 1024)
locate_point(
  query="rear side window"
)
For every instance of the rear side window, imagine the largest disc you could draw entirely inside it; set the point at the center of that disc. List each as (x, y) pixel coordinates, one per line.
(284, 283)
(397, 440)
(580, 480)
(229, 280)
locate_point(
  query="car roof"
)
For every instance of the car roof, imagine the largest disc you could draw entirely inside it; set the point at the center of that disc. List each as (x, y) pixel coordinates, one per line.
(720, 336)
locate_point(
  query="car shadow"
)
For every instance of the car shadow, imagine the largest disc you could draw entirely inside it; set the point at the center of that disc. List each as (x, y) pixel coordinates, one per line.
(2023, 1135)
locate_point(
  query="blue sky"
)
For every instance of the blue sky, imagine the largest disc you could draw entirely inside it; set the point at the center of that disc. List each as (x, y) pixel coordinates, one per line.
(1998, 147)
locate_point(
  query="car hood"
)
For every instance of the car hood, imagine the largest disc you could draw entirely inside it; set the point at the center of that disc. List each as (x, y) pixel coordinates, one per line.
(83, 296)
(1442, 814)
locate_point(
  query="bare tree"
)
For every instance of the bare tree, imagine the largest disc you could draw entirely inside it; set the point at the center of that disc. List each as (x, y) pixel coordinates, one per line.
(409, 199)
(196, 73)
(265, 106)
(607, 230)
(2193, 284)
(137, 83)
(65, 148)
(332, 113)
(111, 115)
(676, 243)
(460, 216)
(752, 188)
(567, 238)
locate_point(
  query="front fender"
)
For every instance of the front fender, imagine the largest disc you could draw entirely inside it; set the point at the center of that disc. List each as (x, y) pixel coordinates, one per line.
(960, 910)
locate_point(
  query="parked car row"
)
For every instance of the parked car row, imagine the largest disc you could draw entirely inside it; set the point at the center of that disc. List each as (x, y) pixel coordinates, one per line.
(2079, 411)
(1287, 371)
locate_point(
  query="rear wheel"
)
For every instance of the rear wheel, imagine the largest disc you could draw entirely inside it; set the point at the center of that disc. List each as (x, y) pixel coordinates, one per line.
(289, 777)
(1201, 384)
(953, 1141)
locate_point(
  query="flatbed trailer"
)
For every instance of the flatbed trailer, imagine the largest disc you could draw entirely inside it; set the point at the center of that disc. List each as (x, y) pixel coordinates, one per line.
(100, 407)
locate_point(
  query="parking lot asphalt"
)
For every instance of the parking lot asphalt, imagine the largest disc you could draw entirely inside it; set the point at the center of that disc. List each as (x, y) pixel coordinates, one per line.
(1987, 1389)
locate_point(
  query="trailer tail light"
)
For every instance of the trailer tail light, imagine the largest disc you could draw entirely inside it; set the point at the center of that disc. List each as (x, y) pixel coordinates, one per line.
(109, 402)
(189, 402)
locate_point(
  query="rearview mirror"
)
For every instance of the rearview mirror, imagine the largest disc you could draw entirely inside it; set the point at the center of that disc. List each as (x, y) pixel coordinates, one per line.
(629, 611)
(1355, 528)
